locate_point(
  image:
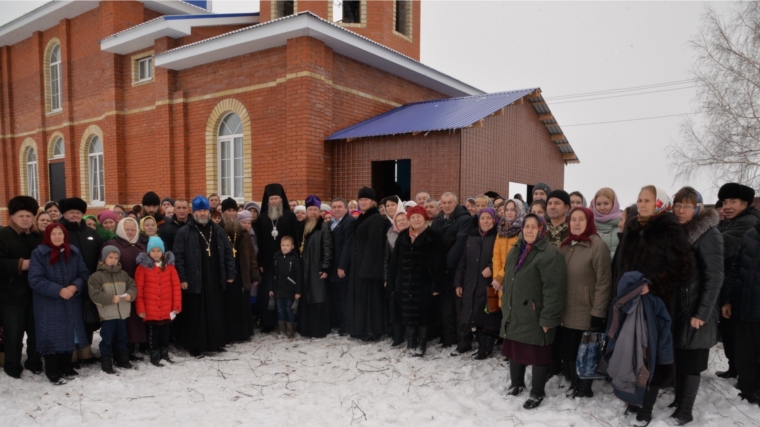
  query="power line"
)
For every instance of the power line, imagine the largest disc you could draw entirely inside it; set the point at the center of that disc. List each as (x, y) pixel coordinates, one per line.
(625, 89)
(631, 120)
(623, 95)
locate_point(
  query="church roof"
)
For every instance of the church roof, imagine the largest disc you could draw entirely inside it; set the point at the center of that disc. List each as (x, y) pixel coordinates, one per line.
(455, 113)
(341, 40)
(51, 13)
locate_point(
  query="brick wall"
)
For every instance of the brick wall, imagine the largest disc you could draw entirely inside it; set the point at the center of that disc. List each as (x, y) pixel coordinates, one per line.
(513, 147)
(435, 162)
(379, 25)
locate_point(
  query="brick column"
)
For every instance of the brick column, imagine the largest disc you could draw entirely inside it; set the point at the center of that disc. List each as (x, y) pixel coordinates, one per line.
(309, 118)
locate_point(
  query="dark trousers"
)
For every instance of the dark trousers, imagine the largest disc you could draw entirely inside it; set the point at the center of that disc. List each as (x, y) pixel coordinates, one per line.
(449, 314)
(57, 364)
(748, 356)
(113, 334)
(728, 337)
(339, 294)
(158, 335)
(285, 310)
(16, 321)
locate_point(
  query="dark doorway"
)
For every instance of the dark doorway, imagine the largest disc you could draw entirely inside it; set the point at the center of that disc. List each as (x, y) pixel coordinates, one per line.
(57, 181)
(392, 178)
(529, 196)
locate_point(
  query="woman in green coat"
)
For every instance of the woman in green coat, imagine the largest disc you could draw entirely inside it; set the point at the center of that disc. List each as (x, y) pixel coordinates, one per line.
(533, 296)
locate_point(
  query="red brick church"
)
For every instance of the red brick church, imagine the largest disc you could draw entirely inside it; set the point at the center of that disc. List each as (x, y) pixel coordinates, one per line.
(106, 100)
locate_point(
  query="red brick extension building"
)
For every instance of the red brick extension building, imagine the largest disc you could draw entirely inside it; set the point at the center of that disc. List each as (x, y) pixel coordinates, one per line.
(107, 100)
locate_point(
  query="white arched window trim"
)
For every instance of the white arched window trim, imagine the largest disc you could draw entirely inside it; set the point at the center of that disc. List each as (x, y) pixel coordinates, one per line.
(32, 176)
(230, 159)
(59, 149)
(55, 79)
(96, 172)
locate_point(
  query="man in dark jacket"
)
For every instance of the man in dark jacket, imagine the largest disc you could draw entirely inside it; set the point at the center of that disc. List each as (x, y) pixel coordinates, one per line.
(454, 226)
(342, 226)
(204, 261)
(744, 280)
(152, 206)
(168, 231)
(740, 217)
(17, 241)
(88, 242)
(366, 310)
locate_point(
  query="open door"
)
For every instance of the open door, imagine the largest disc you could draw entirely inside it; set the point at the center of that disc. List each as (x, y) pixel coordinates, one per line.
(392, 178)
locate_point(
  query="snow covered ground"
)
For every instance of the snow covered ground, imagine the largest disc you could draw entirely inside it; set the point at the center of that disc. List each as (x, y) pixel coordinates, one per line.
(335, 381)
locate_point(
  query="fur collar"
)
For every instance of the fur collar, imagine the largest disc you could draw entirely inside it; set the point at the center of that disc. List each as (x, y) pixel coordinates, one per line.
(363, 217)
(707, 219)
(146, 261)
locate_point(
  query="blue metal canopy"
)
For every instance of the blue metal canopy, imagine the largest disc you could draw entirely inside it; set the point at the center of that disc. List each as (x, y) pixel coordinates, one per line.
(428, 116)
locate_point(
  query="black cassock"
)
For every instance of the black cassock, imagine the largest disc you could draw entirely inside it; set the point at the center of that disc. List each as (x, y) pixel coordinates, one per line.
(201, 323)
(366, 308)
(268, 246)
(237, 301)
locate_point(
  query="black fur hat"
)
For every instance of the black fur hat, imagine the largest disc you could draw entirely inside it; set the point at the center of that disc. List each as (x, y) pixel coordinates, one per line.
(733, 190)
(23, 203)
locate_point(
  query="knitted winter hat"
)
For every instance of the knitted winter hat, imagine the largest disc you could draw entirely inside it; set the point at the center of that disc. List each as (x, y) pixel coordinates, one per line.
(253, 205)
(107, 251)
(559, 194)
(155, 242)
(107, 214)
(245, 216)
(542, 186)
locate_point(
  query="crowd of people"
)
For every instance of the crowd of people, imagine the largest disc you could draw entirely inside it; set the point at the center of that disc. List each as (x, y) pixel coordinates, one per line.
(662, 278)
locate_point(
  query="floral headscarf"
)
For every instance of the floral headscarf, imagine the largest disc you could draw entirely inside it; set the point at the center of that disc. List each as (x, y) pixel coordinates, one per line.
(527, 247)
(662, 203)
(512, 228)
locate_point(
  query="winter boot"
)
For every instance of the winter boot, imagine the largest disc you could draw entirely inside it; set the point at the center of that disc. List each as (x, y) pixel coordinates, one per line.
(538, 386)
(517, 376)
(420, 352)
(411, 339)
(290, 330)
(534, 399)
(727, 374)
(53, 369)
(164, 352)
(464, 344)
(485, 345)
(679, 389)
(583, 389)
(66, 366)
(644, 414)
(133, 357)
(122, 361)
(106, 363)
(398, 335)
(573, 387)
(281, 327)
(155, 358)
(689, 388)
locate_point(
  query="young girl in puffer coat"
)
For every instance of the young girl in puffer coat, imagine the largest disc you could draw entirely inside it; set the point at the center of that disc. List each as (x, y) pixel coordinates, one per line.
(159, 297)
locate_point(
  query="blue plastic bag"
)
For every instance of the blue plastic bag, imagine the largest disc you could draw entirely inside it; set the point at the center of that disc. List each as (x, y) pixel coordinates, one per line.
(589, 353)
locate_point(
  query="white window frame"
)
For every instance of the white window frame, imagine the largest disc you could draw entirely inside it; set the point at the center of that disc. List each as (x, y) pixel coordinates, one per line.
(226, 144)
(148, 68)
(55, 77)
(32, 185)
(58, 143)
(96, 173)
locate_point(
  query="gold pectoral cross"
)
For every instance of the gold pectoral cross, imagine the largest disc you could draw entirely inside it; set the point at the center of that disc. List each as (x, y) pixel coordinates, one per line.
(234, 252)
(208, 250)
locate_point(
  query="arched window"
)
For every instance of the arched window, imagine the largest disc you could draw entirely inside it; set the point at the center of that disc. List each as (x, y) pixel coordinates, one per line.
(32, 186)
(230, 143)
(55, 78)
(97, 176)
(59, 151)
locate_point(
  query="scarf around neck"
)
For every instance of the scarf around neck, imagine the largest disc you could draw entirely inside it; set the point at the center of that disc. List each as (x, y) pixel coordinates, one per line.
(55, 252)
(525, 248)
(587, 233)
(509, 229)
(614, 212)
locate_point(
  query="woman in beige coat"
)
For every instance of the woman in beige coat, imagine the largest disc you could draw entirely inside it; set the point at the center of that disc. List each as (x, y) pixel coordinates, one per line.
(587, 259)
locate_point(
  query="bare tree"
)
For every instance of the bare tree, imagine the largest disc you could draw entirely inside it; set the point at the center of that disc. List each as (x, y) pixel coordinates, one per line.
(727, 73)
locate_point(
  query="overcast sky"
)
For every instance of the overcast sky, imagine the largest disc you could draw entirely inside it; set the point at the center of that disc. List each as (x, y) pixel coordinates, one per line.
(569, 48)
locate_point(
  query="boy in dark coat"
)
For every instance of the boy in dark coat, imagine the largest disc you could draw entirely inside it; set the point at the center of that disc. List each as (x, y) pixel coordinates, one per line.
(287, 281)
(17, 241)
